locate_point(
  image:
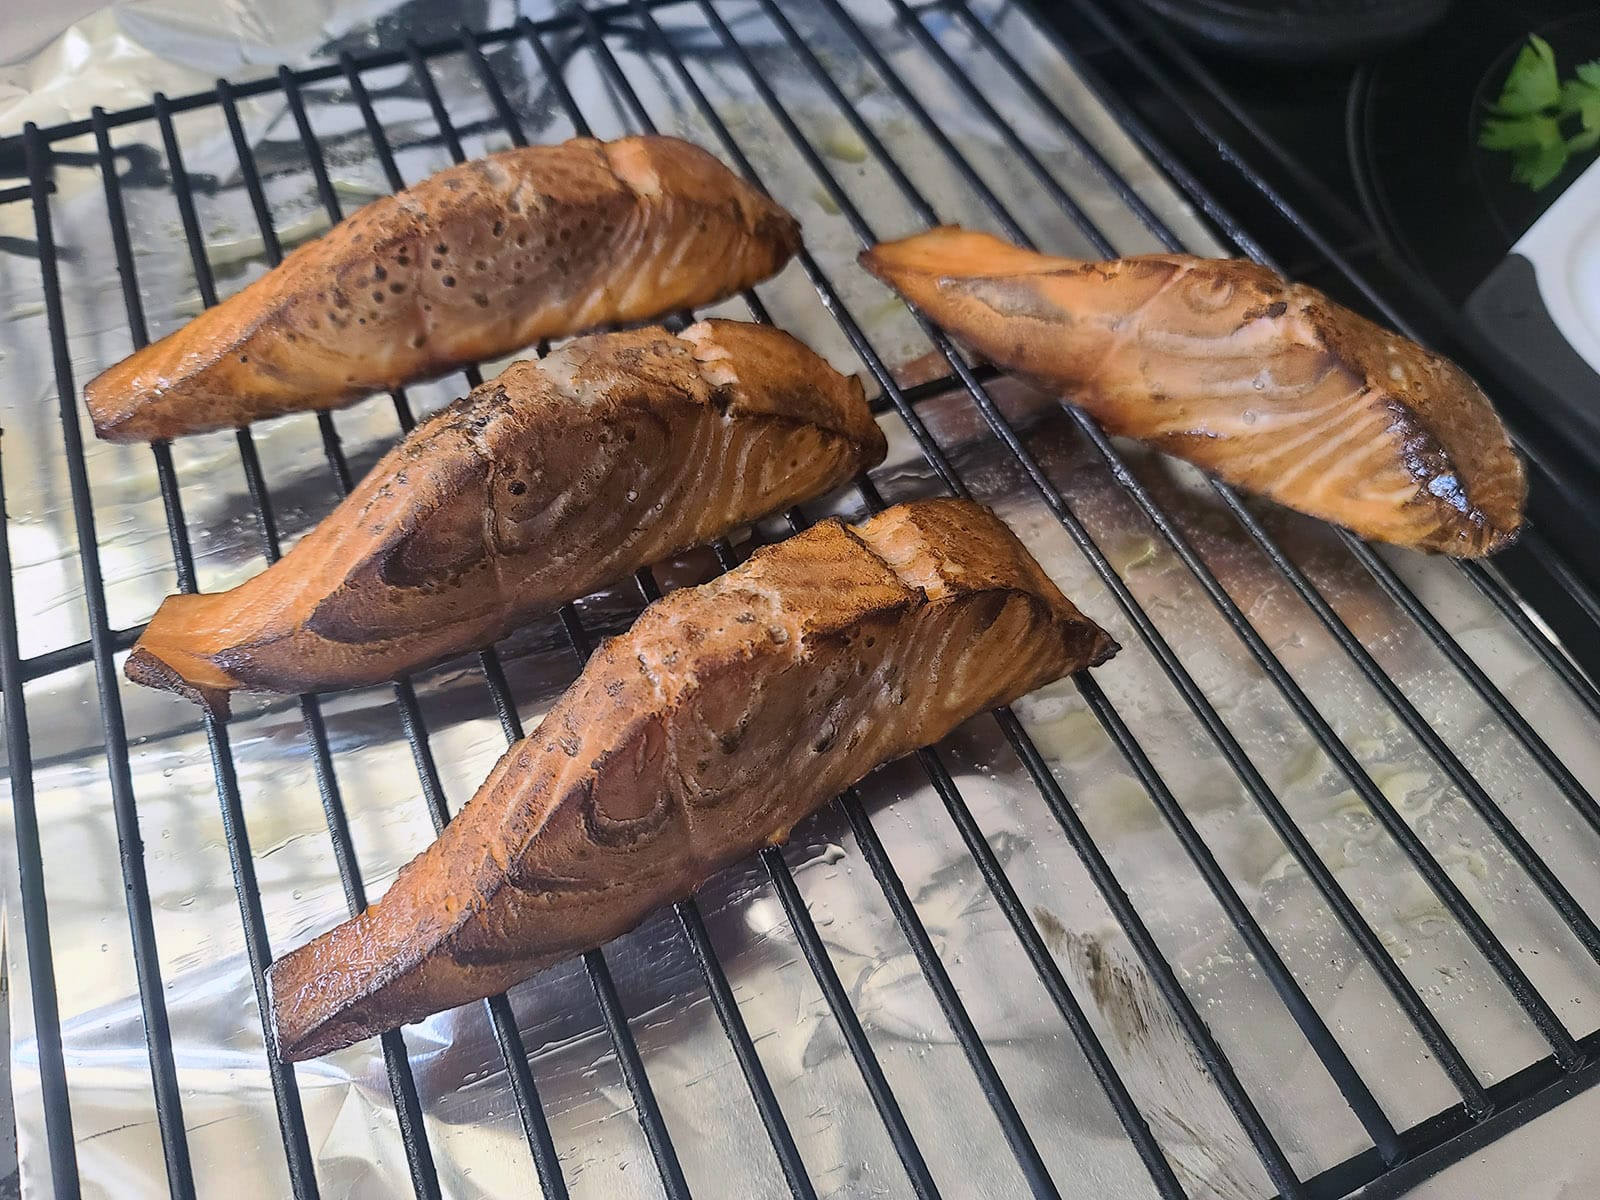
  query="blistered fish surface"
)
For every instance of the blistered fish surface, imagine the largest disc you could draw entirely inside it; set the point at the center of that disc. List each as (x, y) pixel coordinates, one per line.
(726, 714)
(562, 475)
(477, 261)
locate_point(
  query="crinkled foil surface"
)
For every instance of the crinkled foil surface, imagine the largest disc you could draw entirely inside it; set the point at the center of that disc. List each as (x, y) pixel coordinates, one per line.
(117, 57)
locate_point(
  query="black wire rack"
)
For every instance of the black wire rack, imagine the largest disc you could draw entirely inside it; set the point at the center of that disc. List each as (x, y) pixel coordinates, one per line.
(600, 38)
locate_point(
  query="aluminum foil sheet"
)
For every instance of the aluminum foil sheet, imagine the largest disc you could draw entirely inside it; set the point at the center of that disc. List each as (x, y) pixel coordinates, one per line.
(120, 55)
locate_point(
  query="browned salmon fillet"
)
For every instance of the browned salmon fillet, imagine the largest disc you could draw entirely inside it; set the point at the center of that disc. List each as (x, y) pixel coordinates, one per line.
(478, 261)
(553, 480)
(1267, 384)
(724, 716)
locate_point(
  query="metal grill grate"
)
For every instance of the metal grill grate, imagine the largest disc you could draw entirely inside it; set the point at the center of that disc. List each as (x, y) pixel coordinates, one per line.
(749, 80)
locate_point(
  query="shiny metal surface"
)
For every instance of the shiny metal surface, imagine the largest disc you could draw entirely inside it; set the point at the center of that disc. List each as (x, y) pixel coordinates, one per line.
(471, 1123)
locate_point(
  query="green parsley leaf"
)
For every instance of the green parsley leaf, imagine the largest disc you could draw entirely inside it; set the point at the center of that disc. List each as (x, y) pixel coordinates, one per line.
(1532, 84)
(1533, 104)
(1519, 133)
(1581, 99)
(1538, 168)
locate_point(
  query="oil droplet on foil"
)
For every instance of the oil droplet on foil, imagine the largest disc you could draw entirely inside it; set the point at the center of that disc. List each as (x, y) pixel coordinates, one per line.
(1075, 737)
(358, 190)
(1138, 552)
(1404, 790)
(223, 251)
(843, 144)
(1305, 765)
(875, 315)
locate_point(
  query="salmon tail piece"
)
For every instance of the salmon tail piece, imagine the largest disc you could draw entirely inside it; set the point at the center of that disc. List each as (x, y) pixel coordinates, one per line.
(725, 715)
(949, 250)
(1267, 384)
(335, 991)
(165, 656)
(157, 392)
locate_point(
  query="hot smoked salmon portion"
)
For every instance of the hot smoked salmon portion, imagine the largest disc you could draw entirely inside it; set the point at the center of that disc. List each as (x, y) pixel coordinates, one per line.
(1267, 384)
(538, 487)
(473, 263)
(727, 714)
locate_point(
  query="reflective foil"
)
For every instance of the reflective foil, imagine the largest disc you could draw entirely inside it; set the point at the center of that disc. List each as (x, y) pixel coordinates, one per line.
(473, 1131)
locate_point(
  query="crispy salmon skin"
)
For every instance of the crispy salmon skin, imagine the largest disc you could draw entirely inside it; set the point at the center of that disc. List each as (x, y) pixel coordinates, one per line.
(725, 715)
(473, 263)
(1267, 384)
(561, 476)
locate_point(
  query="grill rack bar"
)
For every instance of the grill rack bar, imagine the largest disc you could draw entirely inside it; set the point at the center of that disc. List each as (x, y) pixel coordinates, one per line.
(650, 1116)
(1344, 908)
(651, 1119)
(508, 1037)
(1484, 578)
(955, 1014)
(1327, 1048)
(1578, 921)
(1495, 591)
(1567, 911)
(408, 1106)
(1024, 926)
(130, 846)
(1127, 1112)
(286, 1095)
(1448, 893)
(1221, 1071)
(1514, 978)
(688, 911)
(958, 1019)
(502, 1020)
(1316, 1031)
(1563, 573)
(1502, 707)
(42, 993)
(1493, 588)
(1094, 12)
(728, 1015)
(17, 671)
(827, 978)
